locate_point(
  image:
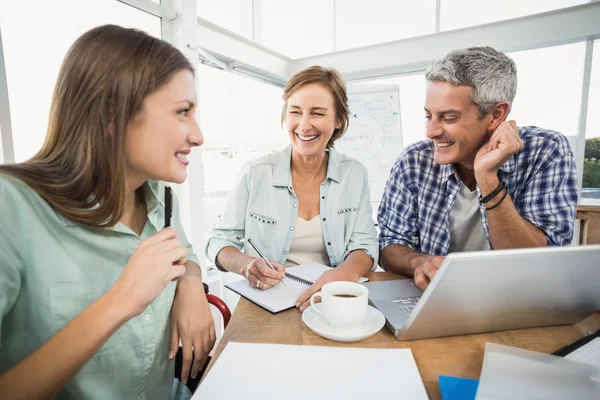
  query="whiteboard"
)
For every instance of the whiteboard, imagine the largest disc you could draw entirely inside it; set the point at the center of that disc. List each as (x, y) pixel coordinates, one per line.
(374, 135)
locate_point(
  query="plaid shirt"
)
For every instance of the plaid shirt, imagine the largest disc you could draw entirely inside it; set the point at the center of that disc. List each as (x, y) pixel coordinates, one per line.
(419, 194)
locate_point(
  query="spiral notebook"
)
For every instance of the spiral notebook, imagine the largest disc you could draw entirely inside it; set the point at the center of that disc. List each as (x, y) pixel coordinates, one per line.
(282, 297)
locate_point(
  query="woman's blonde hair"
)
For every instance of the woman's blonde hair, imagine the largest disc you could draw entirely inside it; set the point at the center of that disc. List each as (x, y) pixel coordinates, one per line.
(332, 80)
(102, 84)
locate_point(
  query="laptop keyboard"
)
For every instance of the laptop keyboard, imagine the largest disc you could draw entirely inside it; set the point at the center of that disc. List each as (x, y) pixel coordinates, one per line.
(406, 304)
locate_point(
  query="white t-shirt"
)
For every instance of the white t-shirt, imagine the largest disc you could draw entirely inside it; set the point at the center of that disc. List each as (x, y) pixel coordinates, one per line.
(308, 245)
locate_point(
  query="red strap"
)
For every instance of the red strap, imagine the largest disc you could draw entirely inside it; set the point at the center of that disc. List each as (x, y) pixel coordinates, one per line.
(220, 304)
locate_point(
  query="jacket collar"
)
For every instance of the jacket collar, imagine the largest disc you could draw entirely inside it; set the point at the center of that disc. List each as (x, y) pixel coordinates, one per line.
(282, 174)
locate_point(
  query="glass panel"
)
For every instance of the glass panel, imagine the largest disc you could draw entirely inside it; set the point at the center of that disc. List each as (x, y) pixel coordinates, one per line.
(591, 166)
(33, 60)
(233, 15)
(298, 29)
(246, 127)
(362, 23)
(1, 148)
(412, 101)
(239, 118)
(549, 97)
(456, 14)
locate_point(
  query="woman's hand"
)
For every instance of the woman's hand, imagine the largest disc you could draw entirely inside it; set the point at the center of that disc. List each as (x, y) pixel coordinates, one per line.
(261, 276)
(157, 261)
(192, 322)
(334, 275)
(356, 265)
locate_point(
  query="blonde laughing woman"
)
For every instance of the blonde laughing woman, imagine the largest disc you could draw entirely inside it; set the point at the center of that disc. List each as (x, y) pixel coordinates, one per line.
(306, 203)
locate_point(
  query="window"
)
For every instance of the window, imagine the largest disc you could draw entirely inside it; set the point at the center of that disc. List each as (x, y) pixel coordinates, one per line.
(591, 165)
(549, 88)
(297, 29)
(233, 15)
(239, 118)
(34, 47)
(412, 101)
(1, 148)
(362, 23)
(455, 14)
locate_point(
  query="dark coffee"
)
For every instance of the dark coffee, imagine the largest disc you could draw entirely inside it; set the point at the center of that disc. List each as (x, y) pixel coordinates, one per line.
(345, 295)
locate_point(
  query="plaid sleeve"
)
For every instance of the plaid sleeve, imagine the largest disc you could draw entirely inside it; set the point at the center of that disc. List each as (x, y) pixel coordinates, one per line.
(549, 200)
(397, 215)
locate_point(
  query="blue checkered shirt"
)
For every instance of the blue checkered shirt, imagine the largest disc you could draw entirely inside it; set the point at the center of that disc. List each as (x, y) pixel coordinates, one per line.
(419, 194)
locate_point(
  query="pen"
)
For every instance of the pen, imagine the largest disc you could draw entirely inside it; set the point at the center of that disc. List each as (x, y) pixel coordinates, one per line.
(168, 205)
(264, 258)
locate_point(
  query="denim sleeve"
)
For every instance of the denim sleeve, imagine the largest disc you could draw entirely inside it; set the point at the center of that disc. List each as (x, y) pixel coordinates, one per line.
(364, 236)
(549, 200)
(229, 227)
(397, 215)
(11, 251)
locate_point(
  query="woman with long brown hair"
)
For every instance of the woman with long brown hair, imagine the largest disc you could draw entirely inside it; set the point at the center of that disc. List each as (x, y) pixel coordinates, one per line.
(95, 293)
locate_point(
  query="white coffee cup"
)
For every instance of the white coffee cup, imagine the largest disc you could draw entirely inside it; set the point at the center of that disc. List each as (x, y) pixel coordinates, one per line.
(343, 304)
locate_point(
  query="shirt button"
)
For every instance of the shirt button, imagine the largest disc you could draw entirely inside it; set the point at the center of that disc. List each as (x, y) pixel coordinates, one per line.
(323, 197)
(147, 317)
(324, 219)
(295, 205)
(328, 243)
(284, 252)
(451, 196)
(291, 228)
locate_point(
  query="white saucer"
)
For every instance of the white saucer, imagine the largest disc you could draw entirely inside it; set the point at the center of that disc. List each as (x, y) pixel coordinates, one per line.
(372, 323)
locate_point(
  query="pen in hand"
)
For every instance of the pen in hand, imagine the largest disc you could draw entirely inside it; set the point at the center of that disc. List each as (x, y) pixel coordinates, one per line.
(260, 253)
(168, 205)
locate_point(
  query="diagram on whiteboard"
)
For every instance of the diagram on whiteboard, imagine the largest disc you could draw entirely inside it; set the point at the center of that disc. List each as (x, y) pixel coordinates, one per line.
(374, 135)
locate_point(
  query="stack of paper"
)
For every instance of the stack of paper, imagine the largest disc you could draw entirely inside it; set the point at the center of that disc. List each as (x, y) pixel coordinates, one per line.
(512, 373)
(272, 371)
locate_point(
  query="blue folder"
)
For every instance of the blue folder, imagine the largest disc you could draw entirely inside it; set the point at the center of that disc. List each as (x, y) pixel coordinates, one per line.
(454, 388)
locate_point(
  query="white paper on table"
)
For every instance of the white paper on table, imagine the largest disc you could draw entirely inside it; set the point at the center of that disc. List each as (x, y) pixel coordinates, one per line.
(276, 371)
(512, 373)
(588, 354)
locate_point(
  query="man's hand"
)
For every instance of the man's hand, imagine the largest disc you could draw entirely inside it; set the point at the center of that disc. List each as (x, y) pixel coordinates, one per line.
(426, 270)
(504, 142)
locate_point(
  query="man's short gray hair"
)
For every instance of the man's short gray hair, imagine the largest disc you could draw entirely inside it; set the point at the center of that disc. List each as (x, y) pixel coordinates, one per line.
(491, 74)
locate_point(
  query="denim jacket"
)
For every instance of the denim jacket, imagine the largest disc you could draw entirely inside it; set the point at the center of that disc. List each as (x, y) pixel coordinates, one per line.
(264, 207)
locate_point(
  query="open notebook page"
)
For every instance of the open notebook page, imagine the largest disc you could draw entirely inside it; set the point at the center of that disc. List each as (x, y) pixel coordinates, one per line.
(275, 371)
(281, 297)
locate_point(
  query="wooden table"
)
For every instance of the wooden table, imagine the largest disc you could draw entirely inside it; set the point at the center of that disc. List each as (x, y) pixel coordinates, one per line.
(456, 356)
(588, 212)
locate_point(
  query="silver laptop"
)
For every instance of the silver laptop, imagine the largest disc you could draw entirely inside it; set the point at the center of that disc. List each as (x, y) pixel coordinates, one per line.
(492, 291)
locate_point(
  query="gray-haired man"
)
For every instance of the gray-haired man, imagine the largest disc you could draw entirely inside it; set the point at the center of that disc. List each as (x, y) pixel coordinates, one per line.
(479, 182)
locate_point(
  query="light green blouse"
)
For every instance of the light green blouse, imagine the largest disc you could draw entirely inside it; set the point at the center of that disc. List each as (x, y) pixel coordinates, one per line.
(52, 269)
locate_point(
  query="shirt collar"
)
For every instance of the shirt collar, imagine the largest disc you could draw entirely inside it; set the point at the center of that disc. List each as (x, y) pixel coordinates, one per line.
(151, 191)
(282, 175)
